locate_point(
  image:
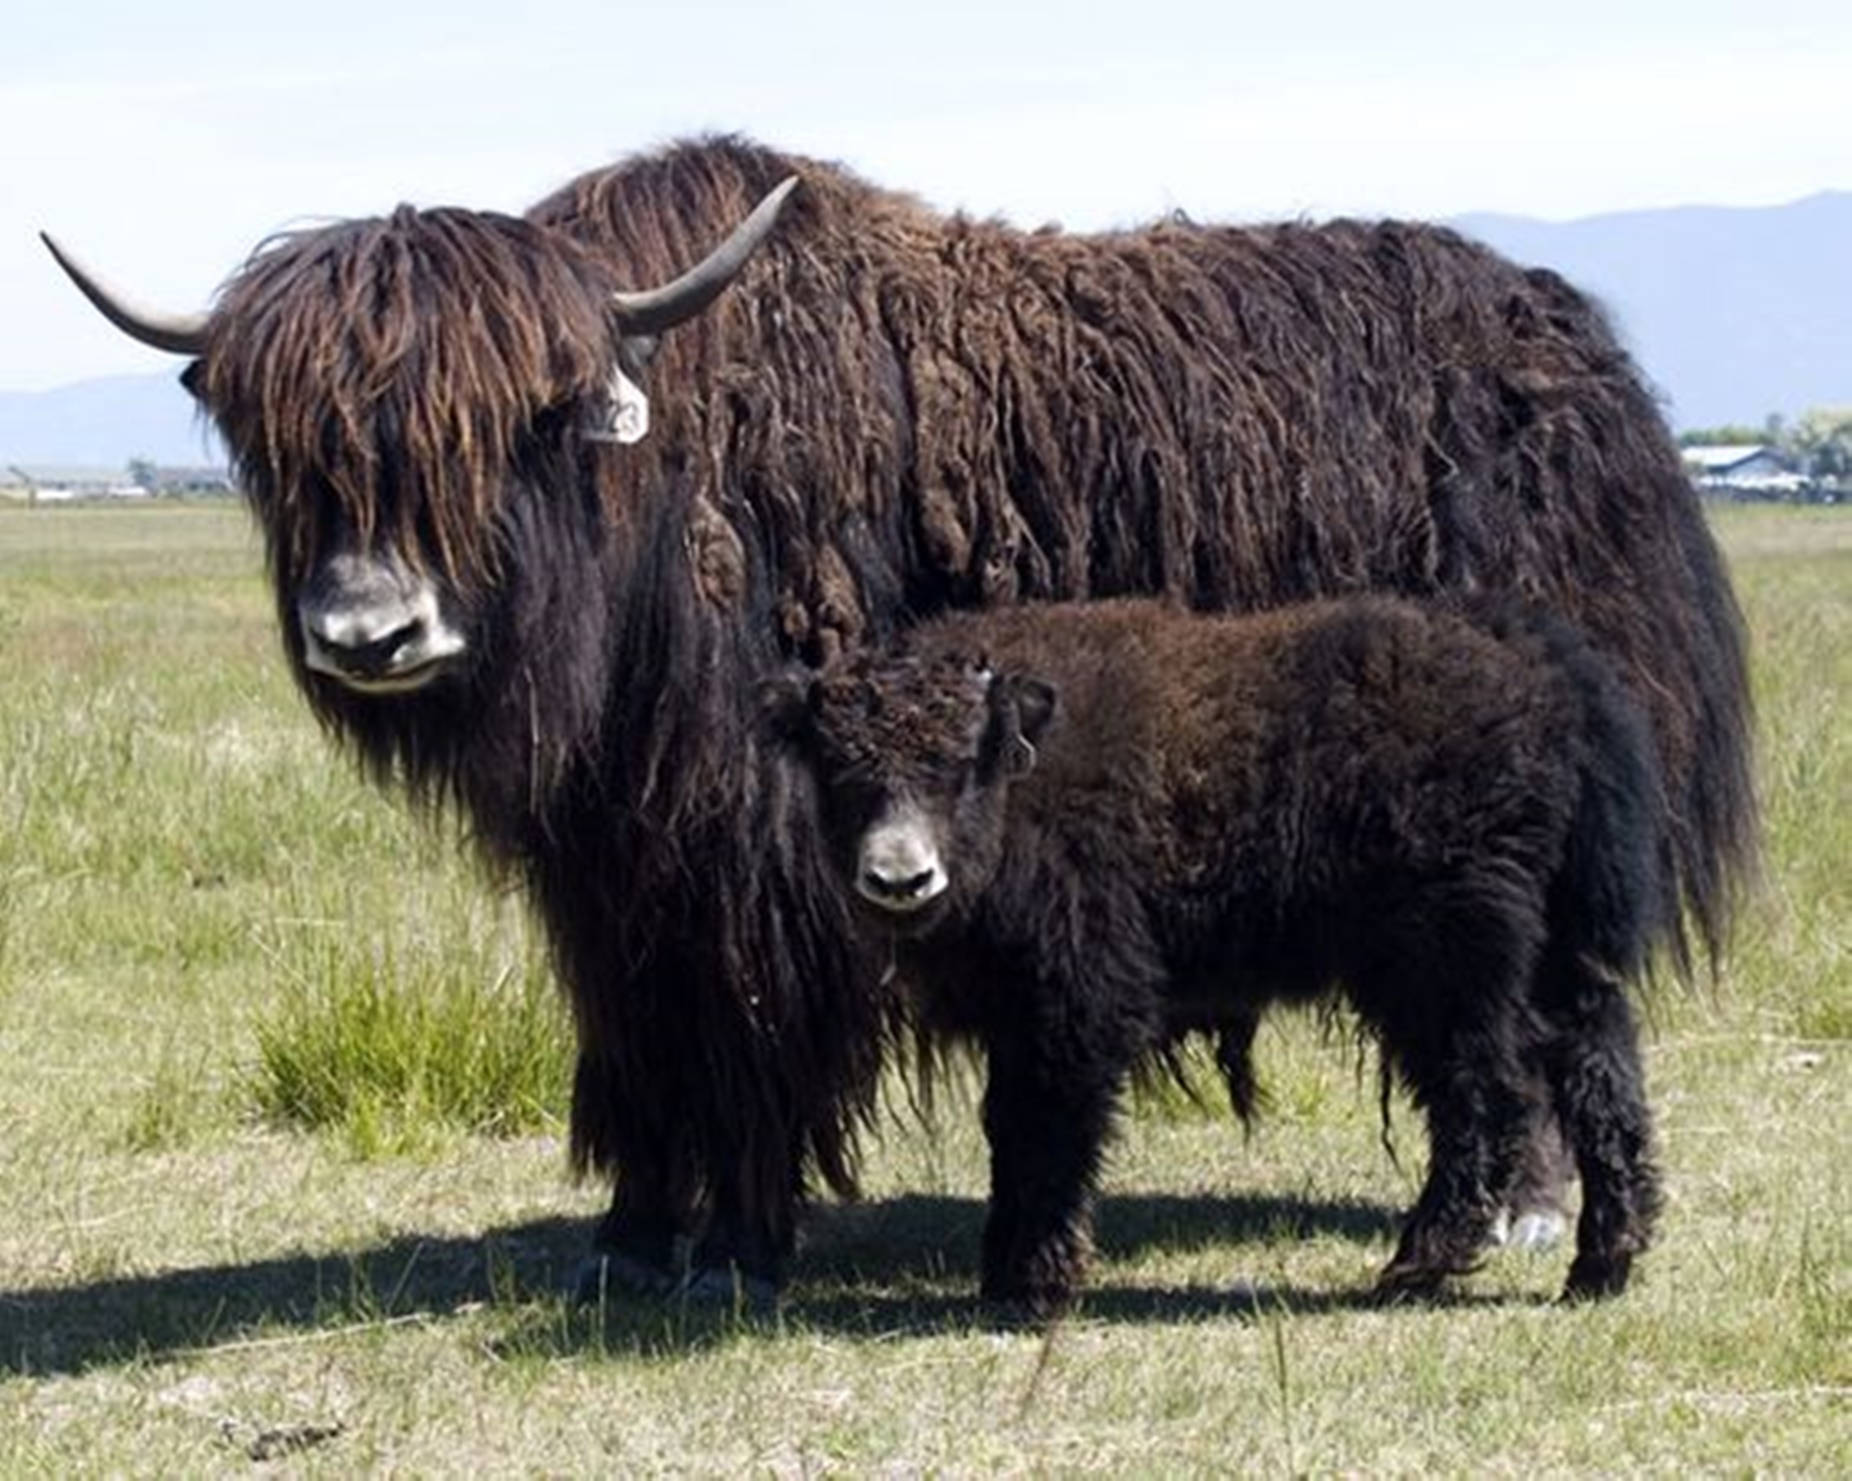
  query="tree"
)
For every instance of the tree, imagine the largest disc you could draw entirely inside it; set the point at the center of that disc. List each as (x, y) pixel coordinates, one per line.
(1731, 435)
(142, 473)
(1821, 443)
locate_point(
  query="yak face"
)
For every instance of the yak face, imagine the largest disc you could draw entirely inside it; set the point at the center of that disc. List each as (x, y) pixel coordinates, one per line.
(394, 390)
(913, 758)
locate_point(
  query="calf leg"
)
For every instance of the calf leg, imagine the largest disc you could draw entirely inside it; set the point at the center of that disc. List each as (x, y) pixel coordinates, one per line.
(1598, 1082)
(1477, 1111)
(1049, 1103)
(1448, 986)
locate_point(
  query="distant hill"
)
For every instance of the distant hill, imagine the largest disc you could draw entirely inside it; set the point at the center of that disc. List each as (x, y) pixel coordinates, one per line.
(104, 423)
(1732, 313)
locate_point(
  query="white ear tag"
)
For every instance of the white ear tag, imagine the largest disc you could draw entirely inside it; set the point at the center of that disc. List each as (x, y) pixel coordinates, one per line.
(629, 421)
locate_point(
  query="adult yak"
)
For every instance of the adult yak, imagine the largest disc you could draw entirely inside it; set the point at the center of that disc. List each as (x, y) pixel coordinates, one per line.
(509, 583)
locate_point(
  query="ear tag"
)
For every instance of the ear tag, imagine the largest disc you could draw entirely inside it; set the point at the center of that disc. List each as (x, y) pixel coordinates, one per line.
(629, 420)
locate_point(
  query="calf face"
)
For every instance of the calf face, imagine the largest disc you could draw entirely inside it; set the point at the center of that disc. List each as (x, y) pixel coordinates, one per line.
(912, 757)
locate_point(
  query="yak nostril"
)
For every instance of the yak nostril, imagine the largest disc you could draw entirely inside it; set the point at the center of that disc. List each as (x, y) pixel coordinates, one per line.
(373, 654)
(899, 889)
(397, 638)
(385, 649)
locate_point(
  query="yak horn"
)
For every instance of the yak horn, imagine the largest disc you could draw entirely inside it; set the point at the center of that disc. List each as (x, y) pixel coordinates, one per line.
(656, 309)
(181, 334)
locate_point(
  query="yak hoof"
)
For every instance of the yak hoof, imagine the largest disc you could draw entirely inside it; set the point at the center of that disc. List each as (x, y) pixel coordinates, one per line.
(1536, 1231)
(728, 1285)
(607, 1273)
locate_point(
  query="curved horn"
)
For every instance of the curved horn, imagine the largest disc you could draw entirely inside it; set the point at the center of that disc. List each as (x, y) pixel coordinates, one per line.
(181, 334)
(656, 309)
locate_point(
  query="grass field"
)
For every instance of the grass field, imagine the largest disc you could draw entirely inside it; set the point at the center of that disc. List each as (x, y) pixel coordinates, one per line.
(211, 1256)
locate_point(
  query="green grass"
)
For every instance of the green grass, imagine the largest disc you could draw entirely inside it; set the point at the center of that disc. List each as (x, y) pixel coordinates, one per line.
(281, 1175)
(384, 1042)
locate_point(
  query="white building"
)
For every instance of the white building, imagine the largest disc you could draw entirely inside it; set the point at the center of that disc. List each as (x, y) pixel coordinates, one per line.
(1753, 469)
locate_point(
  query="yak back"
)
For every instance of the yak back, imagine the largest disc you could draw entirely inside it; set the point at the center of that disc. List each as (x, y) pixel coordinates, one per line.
(895, 411)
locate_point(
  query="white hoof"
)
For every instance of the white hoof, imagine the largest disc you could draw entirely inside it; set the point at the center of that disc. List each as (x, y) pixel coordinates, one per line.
(1538, 1231)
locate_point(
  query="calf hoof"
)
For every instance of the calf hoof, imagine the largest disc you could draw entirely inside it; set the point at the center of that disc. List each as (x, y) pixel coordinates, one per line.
(1597, 1277)
(1035, 1303)
(1038, 1310)
(1398, 1283)
(1406, 1278)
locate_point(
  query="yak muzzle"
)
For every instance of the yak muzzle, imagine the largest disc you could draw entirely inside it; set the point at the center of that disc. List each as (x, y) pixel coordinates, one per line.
(375, 626)
(899, 868)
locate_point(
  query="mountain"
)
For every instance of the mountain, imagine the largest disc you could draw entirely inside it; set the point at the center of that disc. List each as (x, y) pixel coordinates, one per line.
(1733, 313)
(104, 423)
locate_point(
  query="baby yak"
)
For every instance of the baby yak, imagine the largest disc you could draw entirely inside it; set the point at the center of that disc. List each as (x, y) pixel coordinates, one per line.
(1090, 829)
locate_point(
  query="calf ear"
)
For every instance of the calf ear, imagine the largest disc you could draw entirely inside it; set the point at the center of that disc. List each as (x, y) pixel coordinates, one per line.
(1036, 701)
(784, 706)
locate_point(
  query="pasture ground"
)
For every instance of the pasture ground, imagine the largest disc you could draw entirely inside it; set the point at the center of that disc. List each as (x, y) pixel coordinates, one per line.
(191, 1282)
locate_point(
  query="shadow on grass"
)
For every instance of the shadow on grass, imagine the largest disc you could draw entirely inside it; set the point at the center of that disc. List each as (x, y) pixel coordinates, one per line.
(900, 1266)
(876, 1242)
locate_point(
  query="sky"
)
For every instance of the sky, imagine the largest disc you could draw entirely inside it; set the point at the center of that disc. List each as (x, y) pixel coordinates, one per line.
(163, 142)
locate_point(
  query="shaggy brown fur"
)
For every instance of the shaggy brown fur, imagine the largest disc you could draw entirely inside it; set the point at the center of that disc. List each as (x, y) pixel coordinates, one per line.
(1093, 828)
(892, 412)
(379, 377)
(1351, 406)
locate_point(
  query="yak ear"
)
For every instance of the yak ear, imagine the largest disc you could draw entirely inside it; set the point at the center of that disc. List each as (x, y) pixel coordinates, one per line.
(634, 353)
(626, 408)
(1020, 708)
(786, 705)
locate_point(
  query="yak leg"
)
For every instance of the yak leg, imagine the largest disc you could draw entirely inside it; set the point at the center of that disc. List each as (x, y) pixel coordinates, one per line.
(708, 1169)
(642, 1242)
(1598, 1082)
(662, 1235)
(742, 1258)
